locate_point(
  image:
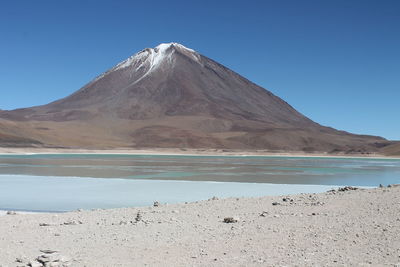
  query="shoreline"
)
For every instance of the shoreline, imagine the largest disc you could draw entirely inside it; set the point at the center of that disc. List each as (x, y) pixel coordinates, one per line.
(4, 212)
(106, 193)
(186, 152)
(324, 188)
(342, 228)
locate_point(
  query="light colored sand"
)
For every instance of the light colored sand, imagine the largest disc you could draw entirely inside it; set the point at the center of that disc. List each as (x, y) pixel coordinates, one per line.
(187, 152)
(350, 228)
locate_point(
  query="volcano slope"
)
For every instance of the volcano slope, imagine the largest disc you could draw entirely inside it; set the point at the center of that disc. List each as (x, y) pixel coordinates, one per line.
(171, 96)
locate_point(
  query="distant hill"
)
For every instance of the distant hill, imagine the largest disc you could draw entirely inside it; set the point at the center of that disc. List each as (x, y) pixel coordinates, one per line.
(392, 150)
(15, 139)
(173, 97)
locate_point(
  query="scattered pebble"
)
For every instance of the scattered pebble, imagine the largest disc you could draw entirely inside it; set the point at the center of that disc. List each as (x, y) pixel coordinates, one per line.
(264, 214)
(231, 220)
(346, 188)
(20, 260)
(138, 217)
(49, 258)
(287, 199)
(48, 251)
(35, 264)
(72, 223)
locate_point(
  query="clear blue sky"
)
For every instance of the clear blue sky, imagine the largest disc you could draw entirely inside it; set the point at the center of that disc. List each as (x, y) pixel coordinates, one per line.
(337, 62)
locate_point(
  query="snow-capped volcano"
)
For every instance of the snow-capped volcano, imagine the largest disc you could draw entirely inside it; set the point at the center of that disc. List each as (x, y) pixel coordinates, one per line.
(172, 96)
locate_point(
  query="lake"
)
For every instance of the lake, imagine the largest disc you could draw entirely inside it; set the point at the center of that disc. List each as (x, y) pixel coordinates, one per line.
(60, 182)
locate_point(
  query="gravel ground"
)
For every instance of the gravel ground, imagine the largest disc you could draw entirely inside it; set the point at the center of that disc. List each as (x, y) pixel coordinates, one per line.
(341, 228)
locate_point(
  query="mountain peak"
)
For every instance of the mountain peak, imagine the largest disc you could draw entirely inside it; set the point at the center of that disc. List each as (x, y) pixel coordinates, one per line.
(153, 57)
(165, 46)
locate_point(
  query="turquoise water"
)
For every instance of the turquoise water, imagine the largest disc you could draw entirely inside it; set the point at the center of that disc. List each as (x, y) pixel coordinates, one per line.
(278, 170)
(49, 193)
(67, 182)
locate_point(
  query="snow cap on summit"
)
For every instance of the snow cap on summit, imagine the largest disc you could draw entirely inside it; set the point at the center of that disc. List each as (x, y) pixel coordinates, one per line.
(165, 46)
(154, 56)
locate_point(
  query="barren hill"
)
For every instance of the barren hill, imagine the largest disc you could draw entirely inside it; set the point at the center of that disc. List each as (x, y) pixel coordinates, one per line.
(392, 150)
(172, 96)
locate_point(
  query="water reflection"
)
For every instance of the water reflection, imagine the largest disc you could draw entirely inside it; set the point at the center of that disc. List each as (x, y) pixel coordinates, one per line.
(279, 170)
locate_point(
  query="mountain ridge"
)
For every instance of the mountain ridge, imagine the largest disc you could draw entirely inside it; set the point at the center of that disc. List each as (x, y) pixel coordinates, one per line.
(172, 96)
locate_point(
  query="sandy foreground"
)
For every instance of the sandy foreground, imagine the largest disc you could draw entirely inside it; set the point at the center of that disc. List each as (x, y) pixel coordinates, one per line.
(351, 228)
